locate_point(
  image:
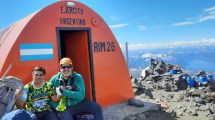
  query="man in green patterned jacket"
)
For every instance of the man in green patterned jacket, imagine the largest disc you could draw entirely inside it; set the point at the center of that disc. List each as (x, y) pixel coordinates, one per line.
(40, 93)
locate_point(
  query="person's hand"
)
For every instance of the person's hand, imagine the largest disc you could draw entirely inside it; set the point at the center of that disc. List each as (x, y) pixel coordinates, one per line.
(19, 91)
(62, 87)
(59, 91)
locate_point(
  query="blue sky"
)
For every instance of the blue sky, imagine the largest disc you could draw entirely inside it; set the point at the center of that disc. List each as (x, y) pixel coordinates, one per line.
(141, 23)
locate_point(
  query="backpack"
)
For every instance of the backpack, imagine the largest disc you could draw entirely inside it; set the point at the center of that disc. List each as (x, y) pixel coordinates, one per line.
(8, 87)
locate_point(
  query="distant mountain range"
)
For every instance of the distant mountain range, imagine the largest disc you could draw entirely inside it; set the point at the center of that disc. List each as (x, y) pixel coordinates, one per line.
(191, 57)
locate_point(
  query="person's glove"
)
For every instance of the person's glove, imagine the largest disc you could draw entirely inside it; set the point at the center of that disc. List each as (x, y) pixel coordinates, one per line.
(59, 91)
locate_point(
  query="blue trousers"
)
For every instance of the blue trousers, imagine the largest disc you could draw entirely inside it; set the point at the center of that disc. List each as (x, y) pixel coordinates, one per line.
(46, 115)
(82, 107)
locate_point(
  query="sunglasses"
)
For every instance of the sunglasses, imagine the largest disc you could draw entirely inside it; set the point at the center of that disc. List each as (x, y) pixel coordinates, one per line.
(64, 67)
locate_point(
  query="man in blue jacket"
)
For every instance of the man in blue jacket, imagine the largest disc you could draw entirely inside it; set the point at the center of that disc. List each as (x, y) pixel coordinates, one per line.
(70, 85)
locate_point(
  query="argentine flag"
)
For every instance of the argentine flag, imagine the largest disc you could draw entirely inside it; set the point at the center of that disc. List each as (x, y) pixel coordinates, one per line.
(30, 52)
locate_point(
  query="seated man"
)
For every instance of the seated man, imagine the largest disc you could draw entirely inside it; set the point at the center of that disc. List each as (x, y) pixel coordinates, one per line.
(70, 85)
(39, 93)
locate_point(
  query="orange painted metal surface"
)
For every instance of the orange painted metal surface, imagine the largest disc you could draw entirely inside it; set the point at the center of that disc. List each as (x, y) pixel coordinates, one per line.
(78, 33)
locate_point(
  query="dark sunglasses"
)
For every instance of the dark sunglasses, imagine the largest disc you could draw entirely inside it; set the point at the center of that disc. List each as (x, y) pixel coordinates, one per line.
(64, 67)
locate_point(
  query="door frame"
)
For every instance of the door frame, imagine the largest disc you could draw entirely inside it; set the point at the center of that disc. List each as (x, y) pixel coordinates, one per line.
(88, 30)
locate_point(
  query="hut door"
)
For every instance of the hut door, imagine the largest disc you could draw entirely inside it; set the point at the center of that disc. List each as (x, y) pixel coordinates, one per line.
(74, 44)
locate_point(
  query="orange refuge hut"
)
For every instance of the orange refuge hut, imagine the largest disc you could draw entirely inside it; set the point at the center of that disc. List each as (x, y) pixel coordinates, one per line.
(68, 29)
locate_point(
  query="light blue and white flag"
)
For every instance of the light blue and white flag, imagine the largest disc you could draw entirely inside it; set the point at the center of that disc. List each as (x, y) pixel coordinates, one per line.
(36, 52)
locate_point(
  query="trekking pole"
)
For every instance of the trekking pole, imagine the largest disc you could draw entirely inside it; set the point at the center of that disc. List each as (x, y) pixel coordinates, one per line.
(5, 73)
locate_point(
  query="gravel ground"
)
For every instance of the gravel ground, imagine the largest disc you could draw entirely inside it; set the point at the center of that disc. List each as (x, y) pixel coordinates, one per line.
(173, 112)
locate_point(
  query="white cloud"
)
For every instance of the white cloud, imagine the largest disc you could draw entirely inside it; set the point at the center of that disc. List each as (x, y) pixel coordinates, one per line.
(183, 23)
(147, 28)
(142, 27)
(210, 42)
(210, 9)
(150, 55)
(207, 14)
(118, 26)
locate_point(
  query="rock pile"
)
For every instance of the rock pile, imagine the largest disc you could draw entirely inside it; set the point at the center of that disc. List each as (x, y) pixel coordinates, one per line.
(194, 95)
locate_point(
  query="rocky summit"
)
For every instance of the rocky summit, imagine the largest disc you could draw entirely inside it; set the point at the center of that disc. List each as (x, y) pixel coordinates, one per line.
(181, 96)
